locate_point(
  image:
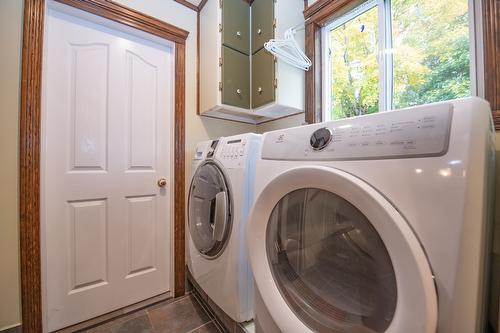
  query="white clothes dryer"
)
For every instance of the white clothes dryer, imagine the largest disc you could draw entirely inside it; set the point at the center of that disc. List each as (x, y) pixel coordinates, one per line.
(220, 197)
(376, 223)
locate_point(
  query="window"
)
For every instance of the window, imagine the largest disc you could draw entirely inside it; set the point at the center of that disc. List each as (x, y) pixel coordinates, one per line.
(391, 54)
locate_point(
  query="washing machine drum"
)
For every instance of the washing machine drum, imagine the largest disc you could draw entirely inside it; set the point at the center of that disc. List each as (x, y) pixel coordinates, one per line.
(330, 264)
(209, 210)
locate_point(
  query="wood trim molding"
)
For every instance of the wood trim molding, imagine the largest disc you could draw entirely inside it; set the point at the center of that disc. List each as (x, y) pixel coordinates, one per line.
(314, 8)
(321, 10)
(310, 75)
(201, 5)
(29, 163)
(491, 13)
(316, 16)
(192, 6)
(496, 119)
(198, 63)
(188, 5)
(30, 135)
(116, 12)
(180, 160)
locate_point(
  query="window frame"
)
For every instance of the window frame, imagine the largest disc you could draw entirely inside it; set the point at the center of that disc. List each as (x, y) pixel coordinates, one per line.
(325, 48)
(319, 20)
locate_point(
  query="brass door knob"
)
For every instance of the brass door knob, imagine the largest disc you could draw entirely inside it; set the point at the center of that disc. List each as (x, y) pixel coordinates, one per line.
(162, 182)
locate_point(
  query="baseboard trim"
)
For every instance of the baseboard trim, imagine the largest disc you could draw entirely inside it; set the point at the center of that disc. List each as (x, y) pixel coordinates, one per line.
(114, 314)
(16, 328)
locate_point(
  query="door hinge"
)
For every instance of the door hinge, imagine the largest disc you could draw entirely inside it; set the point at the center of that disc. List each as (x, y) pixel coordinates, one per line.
(220, 62)
(220, 3)
(275, 83)
(274, 23)
(220, 86)
(220, 27)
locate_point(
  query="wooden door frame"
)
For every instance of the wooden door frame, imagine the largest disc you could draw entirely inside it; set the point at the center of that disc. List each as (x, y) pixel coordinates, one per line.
(30, 138)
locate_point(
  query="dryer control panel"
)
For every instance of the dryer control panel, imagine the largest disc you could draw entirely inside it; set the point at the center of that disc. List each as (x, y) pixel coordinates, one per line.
(413, 132)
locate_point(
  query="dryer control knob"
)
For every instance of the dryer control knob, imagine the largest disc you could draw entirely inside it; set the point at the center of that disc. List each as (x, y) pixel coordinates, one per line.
(320, 138)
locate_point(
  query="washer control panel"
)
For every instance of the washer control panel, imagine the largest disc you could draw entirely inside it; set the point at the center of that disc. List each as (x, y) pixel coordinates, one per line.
(232, 152)
(413, 132)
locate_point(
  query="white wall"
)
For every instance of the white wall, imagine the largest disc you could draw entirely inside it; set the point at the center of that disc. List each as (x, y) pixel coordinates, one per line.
(291, 121)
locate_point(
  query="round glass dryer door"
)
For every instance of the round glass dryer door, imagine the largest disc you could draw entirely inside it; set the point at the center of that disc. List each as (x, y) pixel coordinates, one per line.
(329, 263)
(209, 210)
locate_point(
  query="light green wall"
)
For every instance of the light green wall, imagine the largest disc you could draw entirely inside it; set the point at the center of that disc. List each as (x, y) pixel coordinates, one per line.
(10, 69)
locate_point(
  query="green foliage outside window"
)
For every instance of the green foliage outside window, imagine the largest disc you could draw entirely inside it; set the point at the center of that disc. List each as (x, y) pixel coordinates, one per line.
(431, 58)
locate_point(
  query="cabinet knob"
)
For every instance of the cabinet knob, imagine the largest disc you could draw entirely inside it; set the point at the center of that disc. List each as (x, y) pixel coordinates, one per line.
(238, 91)
(259, 31)
(259, 90)
(238, 33)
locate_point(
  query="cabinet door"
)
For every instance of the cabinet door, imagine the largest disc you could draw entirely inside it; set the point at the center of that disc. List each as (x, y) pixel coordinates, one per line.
(236, 25)
(235, 78)
(262, 23)
(262, 78)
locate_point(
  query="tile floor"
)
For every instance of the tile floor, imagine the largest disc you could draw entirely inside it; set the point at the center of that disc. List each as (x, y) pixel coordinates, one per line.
(183, 315)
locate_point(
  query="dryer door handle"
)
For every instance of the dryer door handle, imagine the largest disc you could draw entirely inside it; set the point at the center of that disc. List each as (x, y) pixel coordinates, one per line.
(220, 216)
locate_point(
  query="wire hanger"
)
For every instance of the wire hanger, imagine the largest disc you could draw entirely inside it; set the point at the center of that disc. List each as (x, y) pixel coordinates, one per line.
(288, 50)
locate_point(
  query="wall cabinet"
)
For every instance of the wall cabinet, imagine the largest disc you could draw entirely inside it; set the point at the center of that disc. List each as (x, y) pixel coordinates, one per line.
(235, 78)
(239, 79)
(263, 78)
(262, 23)
(491, 16)
(236, 25)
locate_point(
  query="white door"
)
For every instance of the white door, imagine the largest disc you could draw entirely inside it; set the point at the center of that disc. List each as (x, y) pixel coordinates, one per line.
(107, 111)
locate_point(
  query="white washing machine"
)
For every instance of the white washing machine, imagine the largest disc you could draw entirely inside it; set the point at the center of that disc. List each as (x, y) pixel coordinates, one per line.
(375, 224)
(220, 197)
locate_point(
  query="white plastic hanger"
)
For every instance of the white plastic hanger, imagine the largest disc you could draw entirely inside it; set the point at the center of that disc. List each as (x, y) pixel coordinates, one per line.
(288, 50)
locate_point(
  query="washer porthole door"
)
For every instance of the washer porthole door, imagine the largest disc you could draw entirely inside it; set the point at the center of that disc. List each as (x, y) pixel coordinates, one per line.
(330, 264)
(209, 210)
(340, 257)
